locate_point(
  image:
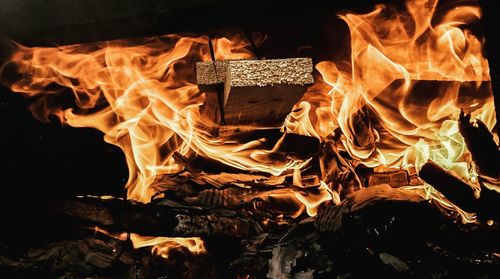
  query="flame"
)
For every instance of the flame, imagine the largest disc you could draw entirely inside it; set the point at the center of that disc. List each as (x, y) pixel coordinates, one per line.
(312, 201)
(389, 57)
(406, 74)
(163, 245)
(142, 95)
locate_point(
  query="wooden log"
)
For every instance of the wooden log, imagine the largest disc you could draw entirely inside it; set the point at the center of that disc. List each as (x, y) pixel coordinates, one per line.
(364, 134)
(256, 92)
(263, 92)
(480, 143)
(283, 145)
(330, 218)
(152, 219)
(288, 143)
(394, 177)
(490, 21)
(299, 145)
(486, 202)
(454, 188)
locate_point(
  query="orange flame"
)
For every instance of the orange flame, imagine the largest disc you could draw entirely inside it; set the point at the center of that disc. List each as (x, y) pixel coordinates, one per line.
(394, 55)
(163, 245)
(141, 94)
(143, 97)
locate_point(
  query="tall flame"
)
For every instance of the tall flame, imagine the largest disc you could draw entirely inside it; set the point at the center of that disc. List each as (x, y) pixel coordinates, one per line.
(143, 97)
(141, 94)
(408, 74)
(389, 56)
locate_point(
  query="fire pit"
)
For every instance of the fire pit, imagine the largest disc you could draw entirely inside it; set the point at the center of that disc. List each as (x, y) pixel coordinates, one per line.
(368, 149)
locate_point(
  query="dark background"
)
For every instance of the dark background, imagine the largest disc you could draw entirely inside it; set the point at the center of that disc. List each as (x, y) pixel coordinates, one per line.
(46, 161)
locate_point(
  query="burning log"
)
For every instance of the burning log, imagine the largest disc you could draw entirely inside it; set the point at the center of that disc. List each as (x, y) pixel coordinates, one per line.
(151, 219)
(454, 188)
(363, 130)
(480, 143)
(256, 92)
(282, 145)
(485, 203)
(490, 19)
(330, 219)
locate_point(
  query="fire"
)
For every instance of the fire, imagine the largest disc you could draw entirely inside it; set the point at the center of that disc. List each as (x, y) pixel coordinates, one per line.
(143, 97)
(140, 94)
(406, 74)
(163, 245)
(393, 55)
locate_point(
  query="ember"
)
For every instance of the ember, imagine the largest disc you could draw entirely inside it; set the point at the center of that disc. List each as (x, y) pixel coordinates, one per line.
(242, 166)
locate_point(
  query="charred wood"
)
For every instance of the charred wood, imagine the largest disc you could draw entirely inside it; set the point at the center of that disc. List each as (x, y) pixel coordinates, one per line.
(492, 47)
(486, 202)
(480, 143)
(330, 219)
(151, 219)
(396, 178)
(282, 146)
(454, 188)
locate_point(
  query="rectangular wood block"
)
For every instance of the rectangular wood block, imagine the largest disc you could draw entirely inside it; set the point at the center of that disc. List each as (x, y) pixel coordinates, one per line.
(256, 92)
(263, 92)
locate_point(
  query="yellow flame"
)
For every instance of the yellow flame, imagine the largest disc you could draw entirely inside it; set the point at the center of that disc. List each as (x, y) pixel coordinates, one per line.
(163, 245)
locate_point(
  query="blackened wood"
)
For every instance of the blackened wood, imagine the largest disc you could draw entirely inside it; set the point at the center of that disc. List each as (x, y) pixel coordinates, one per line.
(331, 218)
(292, 143)
(486, 203)
(491, 22)
(454, 188)
(296, 144)
(152, 219)
(364, 134)
(283, 145)
(481, 145)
